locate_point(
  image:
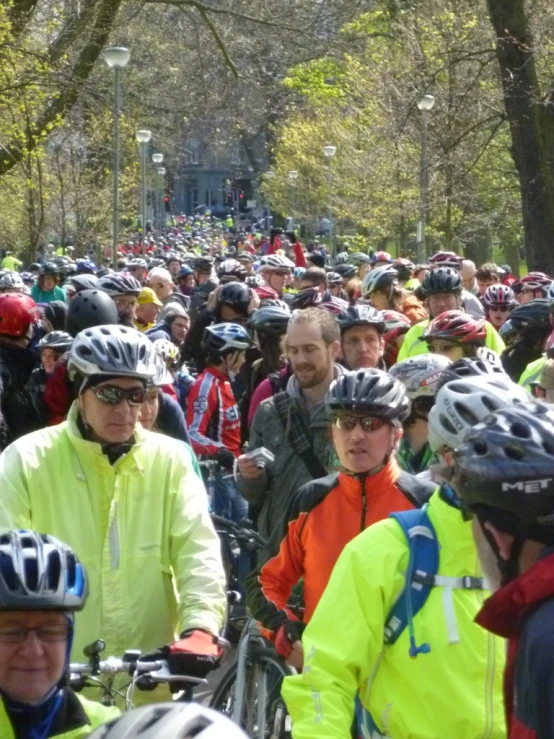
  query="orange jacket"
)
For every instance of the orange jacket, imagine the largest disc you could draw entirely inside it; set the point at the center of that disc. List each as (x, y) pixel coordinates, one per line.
(322, 518)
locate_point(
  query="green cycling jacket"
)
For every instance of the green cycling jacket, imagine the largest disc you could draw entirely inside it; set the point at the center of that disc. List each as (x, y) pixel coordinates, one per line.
(141, 527)
(532, 373)
(414, 344)
(453, 692)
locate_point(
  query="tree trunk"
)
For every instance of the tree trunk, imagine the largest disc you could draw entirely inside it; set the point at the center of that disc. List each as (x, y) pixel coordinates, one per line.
(532, 128)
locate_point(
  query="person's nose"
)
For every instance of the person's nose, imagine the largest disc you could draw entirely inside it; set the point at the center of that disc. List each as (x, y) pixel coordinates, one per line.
(32, 646)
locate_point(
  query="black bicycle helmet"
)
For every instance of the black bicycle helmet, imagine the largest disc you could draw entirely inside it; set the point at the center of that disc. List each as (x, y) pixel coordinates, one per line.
(58, 340)
(203, 264)
(532, 315)
(90, 308)
(170, 721)
(225, 338)
(270, 321)
(39, 573)
(49, 269)
(504, 471)
(310, 297)
(442, 280)
(346, 271)
(361, 315)
(235, 295)
(469, 367)
(334, 278)
(118, 283)
(84, 282)
(369, 391)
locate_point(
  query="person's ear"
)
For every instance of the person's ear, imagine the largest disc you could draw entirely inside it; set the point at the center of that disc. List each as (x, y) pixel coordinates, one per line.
(335, 349)
(503, 541)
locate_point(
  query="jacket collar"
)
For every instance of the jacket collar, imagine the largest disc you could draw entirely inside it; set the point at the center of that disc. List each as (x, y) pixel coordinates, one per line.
(504, 611)
(216, 373)
(374, 485)
(295, 392)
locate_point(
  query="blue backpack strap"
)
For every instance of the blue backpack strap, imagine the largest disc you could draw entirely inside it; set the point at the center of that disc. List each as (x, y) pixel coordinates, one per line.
(423, 560)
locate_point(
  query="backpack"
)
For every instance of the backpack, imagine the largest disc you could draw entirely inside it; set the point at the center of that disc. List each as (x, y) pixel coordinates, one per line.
(421, 576)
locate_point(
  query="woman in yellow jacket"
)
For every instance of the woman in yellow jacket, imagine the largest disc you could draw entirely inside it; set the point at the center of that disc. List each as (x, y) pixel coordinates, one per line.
(42, 584)
(128, 501)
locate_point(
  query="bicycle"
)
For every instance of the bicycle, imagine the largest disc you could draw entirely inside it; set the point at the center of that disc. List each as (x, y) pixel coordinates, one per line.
(145, 673)
(236, 539)
(250, 691)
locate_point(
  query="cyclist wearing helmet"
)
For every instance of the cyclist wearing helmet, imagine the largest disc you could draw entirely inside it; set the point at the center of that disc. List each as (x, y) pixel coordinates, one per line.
(276, 271)
(362, 263)
(498, 300)
(231, 270)
(51, 347)
(367, 408)
(46, 288)
(42, 585)
(402, 660)
(421, 376)
(12, 282)
(173, 265)
(532, 287)
(138, 268)
(205, 284)
(361, 337)
(230, 303)
(137, 512)
(21, 409)
(455, 335)
(382, 288)
(396, 328)
(185, 281)
(334, 281)
(442, 287)
(405, 270)
(212, 414)
(124, 291)
(503, 473)
(526, 331)
(171, 721)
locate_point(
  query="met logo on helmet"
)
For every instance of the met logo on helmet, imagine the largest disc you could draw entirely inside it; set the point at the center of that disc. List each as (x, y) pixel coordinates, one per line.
(528, 486)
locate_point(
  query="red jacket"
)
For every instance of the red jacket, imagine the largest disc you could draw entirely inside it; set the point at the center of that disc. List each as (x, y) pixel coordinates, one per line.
(213, 417)
(523, 613)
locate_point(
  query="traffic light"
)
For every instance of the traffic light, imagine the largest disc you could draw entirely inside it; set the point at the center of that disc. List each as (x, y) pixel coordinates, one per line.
(166, 203)
(241, 195)
(230, 198)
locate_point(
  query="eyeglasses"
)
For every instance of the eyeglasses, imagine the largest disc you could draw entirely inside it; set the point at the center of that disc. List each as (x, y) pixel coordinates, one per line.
(112, 395)
(46, 634)
(126, 302)
(443, 348)
(368, 423)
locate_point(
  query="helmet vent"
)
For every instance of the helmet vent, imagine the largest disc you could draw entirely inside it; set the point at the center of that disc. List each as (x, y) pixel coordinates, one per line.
(468, 416)
(53, 568)
(514, 452)
(31, 573)
(480, 448)
(520, 430)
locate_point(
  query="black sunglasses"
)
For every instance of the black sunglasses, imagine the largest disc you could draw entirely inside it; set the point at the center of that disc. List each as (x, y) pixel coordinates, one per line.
(112, 395)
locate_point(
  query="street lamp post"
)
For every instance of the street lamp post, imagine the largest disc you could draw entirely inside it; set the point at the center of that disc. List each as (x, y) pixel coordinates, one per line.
(329, 152)
(143, 137)
(269, 175)
(116, 58)
(161, 175)
(425, 105)
(293, 176)
(158, 159)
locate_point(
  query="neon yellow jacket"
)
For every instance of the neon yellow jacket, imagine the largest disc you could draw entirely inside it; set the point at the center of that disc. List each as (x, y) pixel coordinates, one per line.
(532, 373)
(414, 344)
(94, 712)
(454, 691)
(141, 527)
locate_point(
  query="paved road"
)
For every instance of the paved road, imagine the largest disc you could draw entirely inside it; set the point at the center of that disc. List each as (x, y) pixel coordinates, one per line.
(203, 695)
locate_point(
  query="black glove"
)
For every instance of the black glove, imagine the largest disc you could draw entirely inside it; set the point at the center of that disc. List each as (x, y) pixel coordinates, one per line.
(286, 635)
(225, 458)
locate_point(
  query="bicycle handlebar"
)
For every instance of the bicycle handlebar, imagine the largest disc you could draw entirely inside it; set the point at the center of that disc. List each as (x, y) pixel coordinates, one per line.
(241, 534)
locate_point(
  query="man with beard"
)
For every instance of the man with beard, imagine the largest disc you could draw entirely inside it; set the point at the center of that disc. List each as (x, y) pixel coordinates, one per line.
(503, 473)
(294, 424)
(124, 290)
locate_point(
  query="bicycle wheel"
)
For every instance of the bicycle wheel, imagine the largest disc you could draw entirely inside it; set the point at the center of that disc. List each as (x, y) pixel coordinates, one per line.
(263, 707)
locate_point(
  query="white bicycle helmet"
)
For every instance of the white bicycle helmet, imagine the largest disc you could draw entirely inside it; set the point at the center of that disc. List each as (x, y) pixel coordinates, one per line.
(461, 404)
(170, 721)
(380, 278)
(420, 374)
(112, 350)
(274, 261)
(119, 283)
(12, 281)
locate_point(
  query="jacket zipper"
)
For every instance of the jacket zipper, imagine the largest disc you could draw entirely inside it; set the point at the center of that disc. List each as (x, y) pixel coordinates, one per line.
(364, 504)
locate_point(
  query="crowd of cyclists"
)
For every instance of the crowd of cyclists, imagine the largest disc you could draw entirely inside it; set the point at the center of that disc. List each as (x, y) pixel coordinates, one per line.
(384, 426)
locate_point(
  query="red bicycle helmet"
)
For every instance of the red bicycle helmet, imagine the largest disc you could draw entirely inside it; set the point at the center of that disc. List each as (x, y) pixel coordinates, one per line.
(445, 259)
(498, 295)
(396, 324)
(534, 281)
(453, 325)
(266, 293)
(17, 312)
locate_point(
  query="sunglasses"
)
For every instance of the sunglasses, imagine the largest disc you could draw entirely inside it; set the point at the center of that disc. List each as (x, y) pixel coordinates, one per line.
(501, 308)
(112, 395)
(443, 348)
(368, 423)
(281, 272)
